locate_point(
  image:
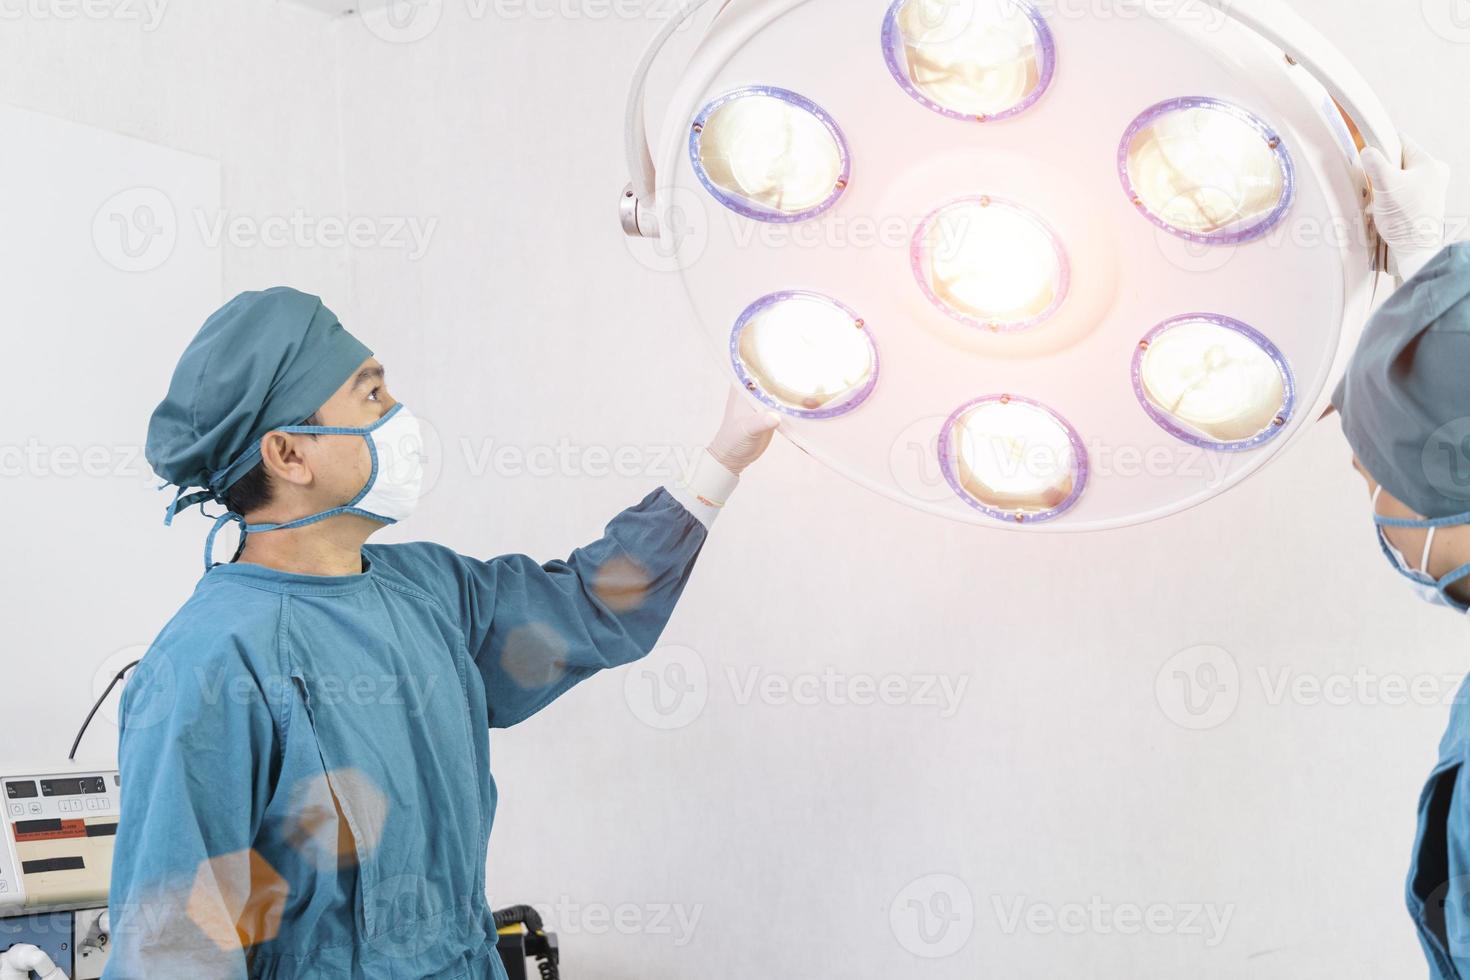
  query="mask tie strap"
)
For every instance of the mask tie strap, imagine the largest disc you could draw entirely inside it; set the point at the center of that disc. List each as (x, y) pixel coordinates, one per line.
(1428, 546)
(1457, 575)
(220, 522)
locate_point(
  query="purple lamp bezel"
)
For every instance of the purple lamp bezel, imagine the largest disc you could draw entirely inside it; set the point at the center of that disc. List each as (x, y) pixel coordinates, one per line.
(1064, 265)
(1185, 434)
(1045, 42)
(950, 466)
(1240, 236)
(752, 385)
(743, 206)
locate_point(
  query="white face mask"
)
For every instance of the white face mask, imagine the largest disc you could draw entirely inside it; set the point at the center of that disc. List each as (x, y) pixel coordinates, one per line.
(396, 445)
(392, 492)
(1425, 586)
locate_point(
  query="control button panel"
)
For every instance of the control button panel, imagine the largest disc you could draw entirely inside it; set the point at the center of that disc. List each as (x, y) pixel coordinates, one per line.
(56, 840)
(30, 799)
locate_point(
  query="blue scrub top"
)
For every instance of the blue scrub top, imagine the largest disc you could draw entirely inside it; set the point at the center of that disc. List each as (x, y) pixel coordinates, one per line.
(1439, 880)
(306, 760)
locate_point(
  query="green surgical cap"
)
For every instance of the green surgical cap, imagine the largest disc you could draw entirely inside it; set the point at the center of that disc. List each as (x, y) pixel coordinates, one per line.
(1405, 400)
(265, 360)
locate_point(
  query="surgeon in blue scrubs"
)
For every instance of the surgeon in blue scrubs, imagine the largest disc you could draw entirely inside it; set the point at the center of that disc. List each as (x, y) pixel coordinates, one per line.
(305, 747)
(1405, 409)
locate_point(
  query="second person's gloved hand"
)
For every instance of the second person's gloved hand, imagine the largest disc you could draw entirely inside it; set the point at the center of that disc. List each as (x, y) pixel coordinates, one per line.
(1409, 205)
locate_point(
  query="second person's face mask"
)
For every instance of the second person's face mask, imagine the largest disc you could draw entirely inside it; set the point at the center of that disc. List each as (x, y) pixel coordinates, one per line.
(1426, 587)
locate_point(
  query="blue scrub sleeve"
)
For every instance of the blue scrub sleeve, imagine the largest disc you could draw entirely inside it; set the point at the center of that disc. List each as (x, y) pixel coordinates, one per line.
(536, 630)
(197, 743)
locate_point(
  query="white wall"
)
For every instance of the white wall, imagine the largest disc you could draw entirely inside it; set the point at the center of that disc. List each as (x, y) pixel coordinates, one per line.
(158, 100)
(789, 830)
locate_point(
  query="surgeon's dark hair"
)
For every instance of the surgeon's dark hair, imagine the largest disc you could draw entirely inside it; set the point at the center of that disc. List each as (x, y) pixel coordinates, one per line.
(253, 490)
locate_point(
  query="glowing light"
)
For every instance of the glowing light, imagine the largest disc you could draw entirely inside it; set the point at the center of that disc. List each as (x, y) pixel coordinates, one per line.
(771, 154)
(1206, 169)
(991, 264)
(1013, 459)
(979, 59)
(1214, 381)
(805, 354)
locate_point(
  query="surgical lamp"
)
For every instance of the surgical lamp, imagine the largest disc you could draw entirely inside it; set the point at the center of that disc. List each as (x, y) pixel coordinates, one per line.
(1044, 266)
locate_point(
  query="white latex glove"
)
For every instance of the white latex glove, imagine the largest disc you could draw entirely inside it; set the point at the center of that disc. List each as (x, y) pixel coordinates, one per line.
(744, 434)
(1409, 205)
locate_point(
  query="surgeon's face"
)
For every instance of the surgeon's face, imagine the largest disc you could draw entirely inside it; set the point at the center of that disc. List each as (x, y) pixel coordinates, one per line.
(1451, 544)
(340, 465)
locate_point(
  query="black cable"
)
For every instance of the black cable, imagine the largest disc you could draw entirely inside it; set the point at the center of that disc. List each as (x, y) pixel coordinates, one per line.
(539, 945)
(519, 915)
(93, 713)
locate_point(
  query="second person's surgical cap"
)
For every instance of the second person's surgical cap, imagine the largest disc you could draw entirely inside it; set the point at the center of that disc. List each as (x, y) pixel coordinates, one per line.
(264, 360)
(1405, 400)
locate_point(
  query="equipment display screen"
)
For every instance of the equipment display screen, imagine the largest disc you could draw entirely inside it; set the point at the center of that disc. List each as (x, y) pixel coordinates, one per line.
(73, 787)
(20, 791)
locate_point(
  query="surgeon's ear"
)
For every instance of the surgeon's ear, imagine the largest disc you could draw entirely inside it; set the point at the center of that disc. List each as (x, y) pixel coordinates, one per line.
(281, 453)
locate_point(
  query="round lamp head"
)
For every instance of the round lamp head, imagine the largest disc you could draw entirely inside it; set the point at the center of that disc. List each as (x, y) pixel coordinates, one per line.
(1112, 265)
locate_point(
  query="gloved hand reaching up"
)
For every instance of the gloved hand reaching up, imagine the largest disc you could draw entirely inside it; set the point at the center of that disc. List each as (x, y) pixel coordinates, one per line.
(743, 437)
(744, 434)
(1409, 205)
